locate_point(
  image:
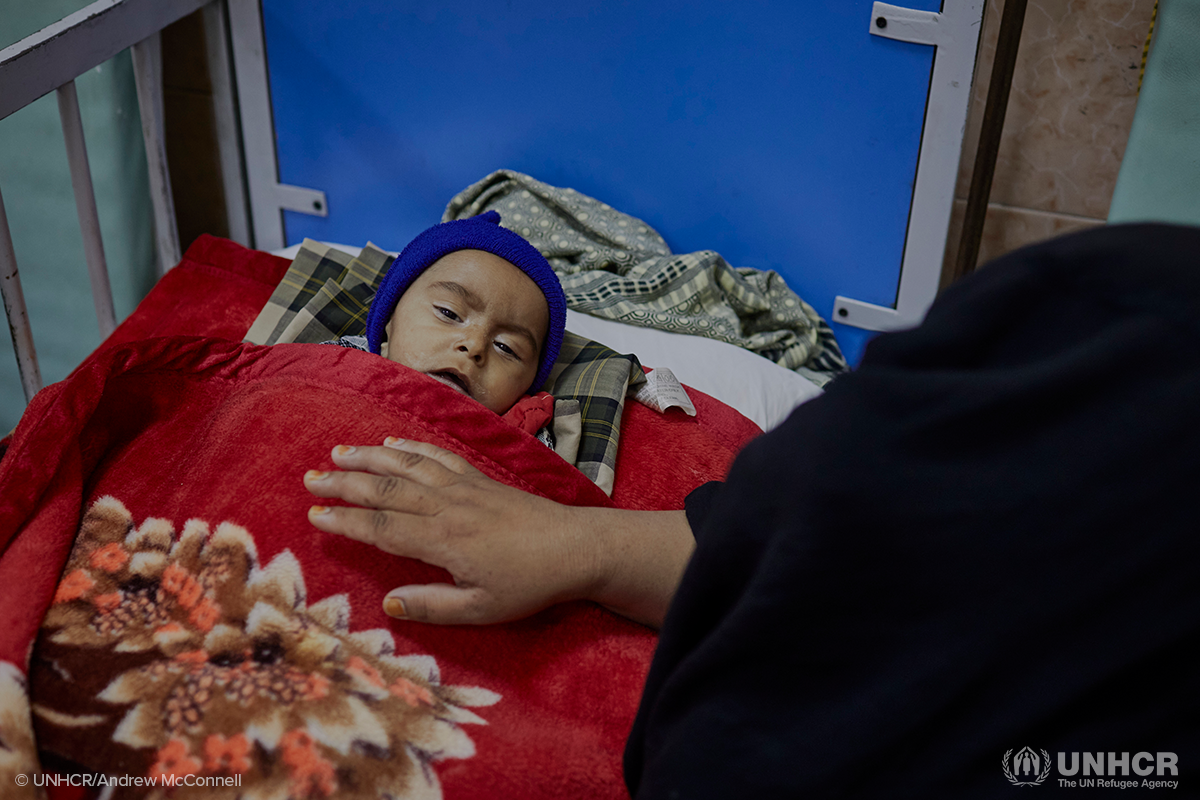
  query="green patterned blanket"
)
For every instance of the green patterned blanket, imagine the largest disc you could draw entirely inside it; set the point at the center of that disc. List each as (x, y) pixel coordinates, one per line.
(615, 266)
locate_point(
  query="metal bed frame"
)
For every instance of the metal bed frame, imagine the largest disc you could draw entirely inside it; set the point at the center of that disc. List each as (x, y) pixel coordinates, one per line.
(50, 61)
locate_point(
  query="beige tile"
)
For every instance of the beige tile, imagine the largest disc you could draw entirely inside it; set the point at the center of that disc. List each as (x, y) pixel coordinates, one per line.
(1006, 228)
(1072, 102)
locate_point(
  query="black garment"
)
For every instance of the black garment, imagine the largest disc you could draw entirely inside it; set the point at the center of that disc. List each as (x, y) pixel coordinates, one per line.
(985, 538)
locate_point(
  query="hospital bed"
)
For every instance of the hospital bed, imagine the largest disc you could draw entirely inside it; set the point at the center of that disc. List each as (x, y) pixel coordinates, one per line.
(152, 517)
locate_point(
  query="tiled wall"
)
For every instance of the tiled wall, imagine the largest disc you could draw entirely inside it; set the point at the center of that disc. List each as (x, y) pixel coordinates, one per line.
(1073, 96)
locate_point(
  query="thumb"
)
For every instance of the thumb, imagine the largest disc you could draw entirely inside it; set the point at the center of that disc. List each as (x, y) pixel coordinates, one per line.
(436, 603)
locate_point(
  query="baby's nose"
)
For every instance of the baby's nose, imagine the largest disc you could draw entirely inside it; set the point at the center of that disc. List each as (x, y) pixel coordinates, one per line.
(473, 348)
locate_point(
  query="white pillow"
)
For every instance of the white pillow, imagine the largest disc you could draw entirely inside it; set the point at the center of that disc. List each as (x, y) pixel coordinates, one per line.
(760, 390)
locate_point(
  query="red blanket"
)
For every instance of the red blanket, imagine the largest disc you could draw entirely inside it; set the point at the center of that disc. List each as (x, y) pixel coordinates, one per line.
(152, 520)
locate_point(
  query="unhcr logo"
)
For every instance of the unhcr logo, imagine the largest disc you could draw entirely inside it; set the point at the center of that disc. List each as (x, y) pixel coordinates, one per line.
(1031, 767)
(1027, 768)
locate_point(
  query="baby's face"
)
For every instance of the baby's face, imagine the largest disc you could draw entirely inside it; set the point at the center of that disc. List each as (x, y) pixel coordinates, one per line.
(474, 322)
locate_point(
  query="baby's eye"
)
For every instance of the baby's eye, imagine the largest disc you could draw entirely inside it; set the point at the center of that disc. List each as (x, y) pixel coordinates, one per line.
(502, 347)
(447, 313)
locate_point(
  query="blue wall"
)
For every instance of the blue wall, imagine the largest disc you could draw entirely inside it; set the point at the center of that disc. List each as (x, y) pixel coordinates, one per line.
(780, 134)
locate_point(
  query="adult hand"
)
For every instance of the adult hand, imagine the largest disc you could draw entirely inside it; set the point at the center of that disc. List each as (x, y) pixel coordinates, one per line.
(510, 553)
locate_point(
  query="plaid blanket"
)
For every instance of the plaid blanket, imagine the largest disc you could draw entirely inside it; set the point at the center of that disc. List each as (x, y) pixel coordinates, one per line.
(615, 266)
(595, 379)
(325, 295)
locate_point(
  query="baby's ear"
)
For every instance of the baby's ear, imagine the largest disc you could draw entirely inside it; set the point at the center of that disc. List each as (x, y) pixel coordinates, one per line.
(383, 349)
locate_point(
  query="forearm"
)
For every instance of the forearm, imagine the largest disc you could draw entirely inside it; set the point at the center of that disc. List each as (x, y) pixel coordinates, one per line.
(641, 556)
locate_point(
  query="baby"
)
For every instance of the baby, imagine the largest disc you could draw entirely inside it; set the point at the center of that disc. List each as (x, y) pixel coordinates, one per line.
(474, 306)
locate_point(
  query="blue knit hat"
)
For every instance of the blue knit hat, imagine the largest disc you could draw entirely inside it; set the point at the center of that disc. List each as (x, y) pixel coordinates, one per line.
(474, 233)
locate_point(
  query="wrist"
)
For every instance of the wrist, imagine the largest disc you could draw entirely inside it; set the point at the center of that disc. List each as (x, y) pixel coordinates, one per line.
(592, 559)
(639, 560)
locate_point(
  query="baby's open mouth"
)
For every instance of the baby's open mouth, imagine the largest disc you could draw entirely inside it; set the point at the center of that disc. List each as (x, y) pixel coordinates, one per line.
(451, 379)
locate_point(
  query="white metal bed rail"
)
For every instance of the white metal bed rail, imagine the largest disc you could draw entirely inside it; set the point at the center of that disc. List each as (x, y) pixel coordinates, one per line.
(51, 60)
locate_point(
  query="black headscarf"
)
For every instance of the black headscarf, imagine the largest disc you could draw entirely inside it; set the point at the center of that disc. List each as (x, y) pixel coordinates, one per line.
(985, 538)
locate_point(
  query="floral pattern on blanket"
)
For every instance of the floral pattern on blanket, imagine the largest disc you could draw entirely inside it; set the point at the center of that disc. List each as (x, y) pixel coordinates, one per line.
(235, 674)
(18, 753)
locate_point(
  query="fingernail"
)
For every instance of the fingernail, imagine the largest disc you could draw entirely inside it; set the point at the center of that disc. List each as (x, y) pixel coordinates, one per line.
(315, 475)
(343, 450)
(394, 607)
(316, 511)
(392, 441)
